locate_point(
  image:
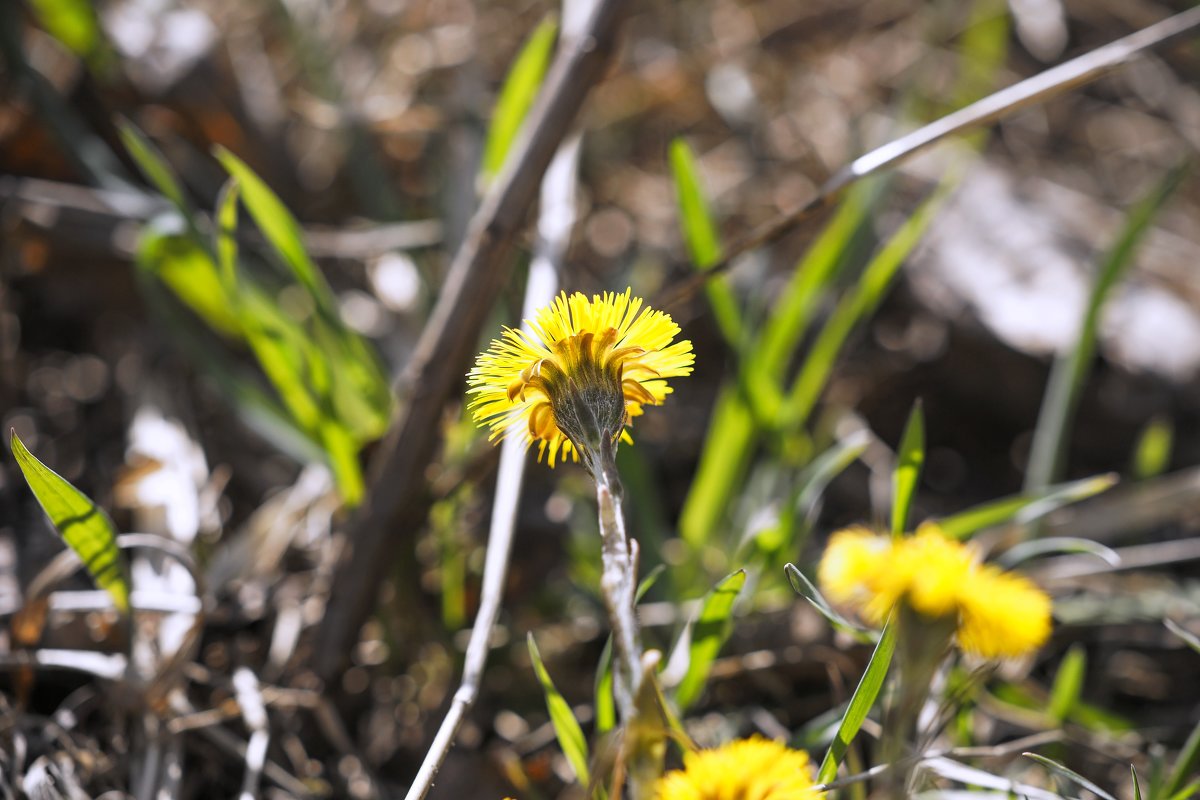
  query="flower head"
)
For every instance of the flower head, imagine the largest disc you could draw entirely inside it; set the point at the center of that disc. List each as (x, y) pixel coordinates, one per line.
(748, 768)
(582, 372)
(996, 614)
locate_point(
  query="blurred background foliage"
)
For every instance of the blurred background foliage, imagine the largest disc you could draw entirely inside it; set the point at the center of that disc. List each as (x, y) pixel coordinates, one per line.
(242, 213)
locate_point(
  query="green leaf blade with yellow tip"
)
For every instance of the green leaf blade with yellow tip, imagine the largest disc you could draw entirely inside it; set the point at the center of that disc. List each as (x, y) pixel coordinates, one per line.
(84, 526)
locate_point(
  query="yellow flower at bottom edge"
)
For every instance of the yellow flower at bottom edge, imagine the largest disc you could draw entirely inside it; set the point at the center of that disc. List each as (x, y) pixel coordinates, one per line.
(746, 769)
(586, 368)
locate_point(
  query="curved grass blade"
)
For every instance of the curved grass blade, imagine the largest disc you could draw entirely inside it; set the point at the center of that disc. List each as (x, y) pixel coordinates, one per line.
(1068, 684)
(1024, 508)
(1070, 775)
(156, 169)
(566, 727)
(861, 702)
(516, 96)
(910, 460)
(855, 306)
(1185, 765)
(1189, 638)
(83, 525)
(1137, 786)
(1035, 548)
(805, 588)
(1070, 371)
(709, 633)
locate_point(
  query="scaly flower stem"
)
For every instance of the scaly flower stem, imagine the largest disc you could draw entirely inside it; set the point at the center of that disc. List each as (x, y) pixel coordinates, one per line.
(618, 581)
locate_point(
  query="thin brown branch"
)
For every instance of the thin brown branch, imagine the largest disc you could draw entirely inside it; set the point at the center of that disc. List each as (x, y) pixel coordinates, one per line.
(397, 503)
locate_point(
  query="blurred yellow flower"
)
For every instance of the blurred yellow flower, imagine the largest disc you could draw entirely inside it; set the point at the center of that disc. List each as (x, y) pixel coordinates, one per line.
(746, 769)
(586, 368)
(998, 614)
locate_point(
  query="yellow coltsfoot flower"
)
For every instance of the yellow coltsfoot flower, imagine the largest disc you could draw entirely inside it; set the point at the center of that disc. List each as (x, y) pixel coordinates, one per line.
(754, 768)
(996, 614)
(585, 369)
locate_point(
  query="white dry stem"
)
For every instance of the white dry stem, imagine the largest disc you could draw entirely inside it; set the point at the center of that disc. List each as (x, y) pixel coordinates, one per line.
(618, 586)
(556, 219)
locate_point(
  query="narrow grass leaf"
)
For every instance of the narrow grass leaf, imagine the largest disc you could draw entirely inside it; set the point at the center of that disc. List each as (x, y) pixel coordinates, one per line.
(606, 707)
(279, 227)
(566, 727)
(824, 468)
(1185, 764)
(909, 460)
(733, 432)
(1070, 775)
(1025, 508)
(709, 633)
(1068, 684)
(860, 704)
(155, 167)
(1152, 454)
(805, 588)
(1189, 792)
(72, 22)
(186, 268)
(855, 306)
(1189, 638)
(1036, 548)
(83, 525)
(703, 240)
(517, 95)
(1070, 370)
(1137, 786)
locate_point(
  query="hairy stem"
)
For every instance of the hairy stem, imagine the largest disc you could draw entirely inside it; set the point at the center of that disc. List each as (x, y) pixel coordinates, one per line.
(618, 581)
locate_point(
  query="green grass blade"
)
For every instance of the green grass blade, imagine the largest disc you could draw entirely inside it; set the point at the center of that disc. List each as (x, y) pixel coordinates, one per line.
(703, 240)
(83, 525)
(187, 269)
(860, 704)
(733, 432)
(909, 459)
(727, 450)
(517, 95)
(1070, 370)
(858, 304)
(1023, 507)
(792, 315)
(1185, 764)
(797, 517)
(72, 22)
(1189, 638)
(806, 589)
(1152, 454)
(226, 246)
(1070, 775)
(566, 727)
(280, 228)
(606, 707)
(155, 167)
(712, 628)
(1068, 684)
(1036, 548)
(1189, 792)
(1137, 785)
(356, 392)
